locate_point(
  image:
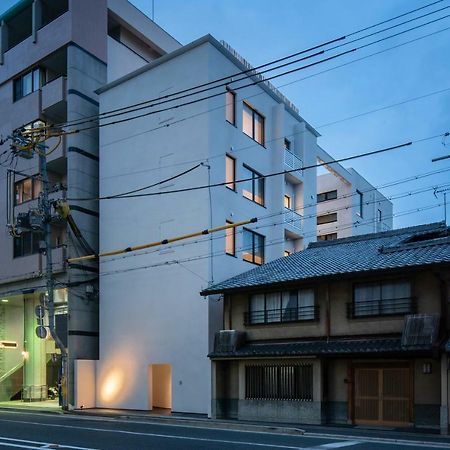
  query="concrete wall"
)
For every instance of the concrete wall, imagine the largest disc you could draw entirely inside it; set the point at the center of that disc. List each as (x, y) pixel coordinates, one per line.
(349, 221)
(84, 380)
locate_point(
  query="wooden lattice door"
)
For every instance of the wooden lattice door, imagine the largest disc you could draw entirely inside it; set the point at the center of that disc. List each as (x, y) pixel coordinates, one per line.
(383, 395)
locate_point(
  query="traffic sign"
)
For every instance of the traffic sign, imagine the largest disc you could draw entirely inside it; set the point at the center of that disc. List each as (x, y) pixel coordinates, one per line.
(41, 332)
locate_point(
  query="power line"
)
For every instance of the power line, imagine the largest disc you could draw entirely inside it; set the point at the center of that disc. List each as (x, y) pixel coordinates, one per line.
(345, 207)
(253, 83)
(253, 69)
(196, 258)
(252, 96)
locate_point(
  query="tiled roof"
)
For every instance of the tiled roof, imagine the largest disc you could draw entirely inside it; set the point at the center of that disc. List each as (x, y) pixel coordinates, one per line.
(407, 247)
(330, 347)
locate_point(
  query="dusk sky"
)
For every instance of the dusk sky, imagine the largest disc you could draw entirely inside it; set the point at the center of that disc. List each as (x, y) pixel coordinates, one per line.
(262, 30)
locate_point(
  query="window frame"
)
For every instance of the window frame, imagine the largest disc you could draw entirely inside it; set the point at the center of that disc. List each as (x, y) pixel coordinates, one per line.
(35, 238)
(18, 82)
(255, 112)
(230, 232)
(258, 177)
(383, 303)
(233, 183)
(326, 237)
(361, 203)
(326, 196)
(311, 316)
(34, 191)
(254, 233)
(230, 92)
(328, 221)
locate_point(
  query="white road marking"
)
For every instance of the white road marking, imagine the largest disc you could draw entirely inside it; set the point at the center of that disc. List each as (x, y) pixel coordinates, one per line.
(339, 444)
(11, 442)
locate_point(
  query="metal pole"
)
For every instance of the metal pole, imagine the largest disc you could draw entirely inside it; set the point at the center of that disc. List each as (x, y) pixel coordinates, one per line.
(45, 207)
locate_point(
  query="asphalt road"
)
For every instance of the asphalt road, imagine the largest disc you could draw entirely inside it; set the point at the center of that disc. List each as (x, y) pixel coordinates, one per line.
(39, 431)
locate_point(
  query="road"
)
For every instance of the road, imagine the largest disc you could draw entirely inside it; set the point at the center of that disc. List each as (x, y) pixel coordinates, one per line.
(20, 430)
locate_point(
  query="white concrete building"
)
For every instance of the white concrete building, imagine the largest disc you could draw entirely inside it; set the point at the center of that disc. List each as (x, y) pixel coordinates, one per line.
(348, 205)
(155, 329)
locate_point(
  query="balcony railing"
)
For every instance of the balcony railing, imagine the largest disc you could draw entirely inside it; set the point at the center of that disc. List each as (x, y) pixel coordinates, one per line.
(293, 218)
(384, 307)
(292, 161)
(282, 315)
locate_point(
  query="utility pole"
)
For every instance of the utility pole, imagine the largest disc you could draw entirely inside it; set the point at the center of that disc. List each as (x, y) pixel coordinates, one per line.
(45, 207)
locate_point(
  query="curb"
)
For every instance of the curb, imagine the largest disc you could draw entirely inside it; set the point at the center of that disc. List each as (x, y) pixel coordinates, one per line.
(31, 409)
(199, 423)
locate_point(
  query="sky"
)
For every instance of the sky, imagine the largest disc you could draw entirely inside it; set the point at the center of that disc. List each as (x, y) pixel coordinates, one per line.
(263, 30)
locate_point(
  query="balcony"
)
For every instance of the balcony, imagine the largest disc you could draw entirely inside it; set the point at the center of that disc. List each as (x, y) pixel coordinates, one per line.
(385, 307)
(293, 164)
(293, 223)
(283, 315)
(54, 98)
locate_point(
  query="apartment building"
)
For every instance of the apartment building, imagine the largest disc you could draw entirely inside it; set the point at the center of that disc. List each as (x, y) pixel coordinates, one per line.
(348, 331)
(155, 333)
(54, 54)
(347, 204)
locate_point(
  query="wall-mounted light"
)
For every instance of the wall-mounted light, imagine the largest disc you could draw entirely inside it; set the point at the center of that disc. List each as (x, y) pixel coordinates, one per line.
(25, 354)
(5, 300)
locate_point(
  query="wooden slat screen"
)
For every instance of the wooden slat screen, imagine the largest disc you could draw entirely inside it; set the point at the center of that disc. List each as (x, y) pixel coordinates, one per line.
(279, 382)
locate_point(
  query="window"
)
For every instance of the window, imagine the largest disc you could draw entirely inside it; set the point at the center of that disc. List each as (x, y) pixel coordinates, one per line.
(27, 189)
(28, 83)
(287, 306)
(253, 247)
(230, 107)
(279, 382)
(360, 202)
(230, 172)
(254, 186)
(253, 124)
(230, 240)
(382, 298)
(380, 216)
(324, 196)
(287, 201)
(287, 253)
(327, 218)
(287, 144)
(327, 237)
(26, 244)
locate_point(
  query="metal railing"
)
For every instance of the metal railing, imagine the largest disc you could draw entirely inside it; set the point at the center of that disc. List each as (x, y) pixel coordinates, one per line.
(381, 307)
(293, 218)
(10, 371)
(282, 315)
(292, 160)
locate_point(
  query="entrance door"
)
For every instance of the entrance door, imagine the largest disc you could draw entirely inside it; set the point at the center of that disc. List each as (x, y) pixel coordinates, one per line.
(383, 395)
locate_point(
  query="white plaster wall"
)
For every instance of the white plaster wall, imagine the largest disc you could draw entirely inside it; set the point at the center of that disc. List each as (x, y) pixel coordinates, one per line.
(155, 315)
(84, 372)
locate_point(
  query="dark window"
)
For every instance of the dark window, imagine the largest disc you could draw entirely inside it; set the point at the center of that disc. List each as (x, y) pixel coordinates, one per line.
(28, 83)
(253, 188)
(382, 298)
(360, 202)
(327, 237)
(279, 382)
(253, 249)
(287, 306)
(253, 124)
(230, 107)
(26, 244)
(27, 189)
(380, 215)
(52, 9)
(230, 172)
(230, 240)
(326, 218)
(324, 196)
(287, 144)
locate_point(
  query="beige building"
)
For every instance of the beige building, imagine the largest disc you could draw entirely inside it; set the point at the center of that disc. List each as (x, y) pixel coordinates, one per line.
(335, 334)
